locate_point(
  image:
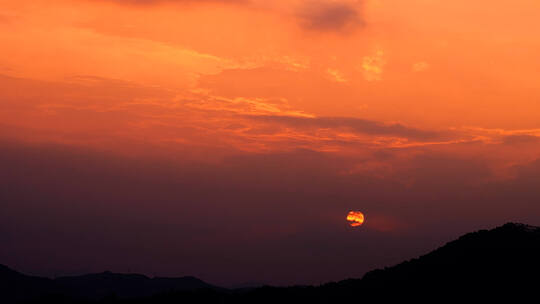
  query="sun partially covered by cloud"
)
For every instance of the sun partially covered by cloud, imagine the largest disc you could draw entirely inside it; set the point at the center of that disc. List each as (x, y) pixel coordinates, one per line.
(356, 218)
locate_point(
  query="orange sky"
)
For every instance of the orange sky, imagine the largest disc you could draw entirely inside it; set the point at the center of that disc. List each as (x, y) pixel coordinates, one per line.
(211, 65)
(379, 83)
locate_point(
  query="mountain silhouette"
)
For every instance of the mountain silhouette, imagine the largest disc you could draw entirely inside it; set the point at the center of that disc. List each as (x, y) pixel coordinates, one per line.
(17, 287)
(487, 265)
(125, 285)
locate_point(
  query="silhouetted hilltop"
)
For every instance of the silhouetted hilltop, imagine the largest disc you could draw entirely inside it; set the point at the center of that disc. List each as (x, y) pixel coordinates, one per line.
(502, 262)
(494, 256)
(488, 265)
(16, 287)
(104, 284)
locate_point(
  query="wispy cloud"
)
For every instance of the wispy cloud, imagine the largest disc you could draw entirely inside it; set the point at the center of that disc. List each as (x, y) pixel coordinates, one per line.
(153, 2)
(353, 124)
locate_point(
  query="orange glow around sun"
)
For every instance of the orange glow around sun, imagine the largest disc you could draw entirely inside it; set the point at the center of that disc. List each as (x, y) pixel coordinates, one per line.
(356, 218)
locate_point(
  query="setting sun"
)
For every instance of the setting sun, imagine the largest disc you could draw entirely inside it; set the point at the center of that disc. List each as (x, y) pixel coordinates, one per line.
(356, 218)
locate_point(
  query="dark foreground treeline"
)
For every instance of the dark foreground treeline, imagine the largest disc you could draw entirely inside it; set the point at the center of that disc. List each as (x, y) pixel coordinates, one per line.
(496, 265)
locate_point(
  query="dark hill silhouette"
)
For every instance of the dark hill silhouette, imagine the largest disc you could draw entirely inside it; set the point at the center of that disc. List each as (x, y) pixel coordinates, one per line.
(499, 264)
(17, 287)
(104, 284)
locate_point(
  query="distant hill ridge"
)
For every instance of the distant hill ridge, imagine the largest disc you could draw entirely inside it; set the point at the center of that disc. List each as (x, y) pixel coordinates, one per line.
(487, 265)
(15, 286)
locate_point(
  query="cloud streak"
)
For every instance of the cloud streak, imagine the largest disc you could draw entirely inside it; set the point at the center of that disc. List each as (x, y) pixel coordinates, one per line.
(154, 2)
(353, 124)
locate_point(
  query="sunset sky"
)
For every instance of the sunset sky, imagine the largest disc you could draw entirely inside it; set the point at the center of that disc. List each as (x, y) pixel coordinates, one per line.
(229, 139)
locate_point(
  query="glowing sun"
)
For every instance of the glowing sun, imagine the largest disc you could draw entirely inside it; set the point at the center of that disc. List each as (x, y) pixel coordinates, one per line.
(356, 218)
